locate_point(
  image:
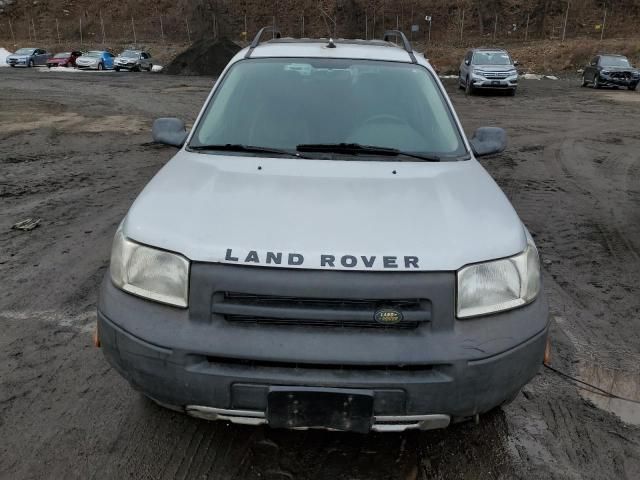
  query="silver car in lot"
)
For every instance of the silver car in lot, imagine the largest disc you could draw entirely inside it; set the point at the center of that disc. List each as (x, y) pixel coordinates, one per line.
(133, 60)
(325, 252)
(488, 68)
(28, 57)
(95, 60)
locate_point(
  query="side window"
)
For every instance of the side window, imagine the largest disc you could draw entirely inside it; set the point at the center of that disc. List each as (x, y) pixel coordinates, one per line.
(144, 55)
(594, 61)
(468, 56)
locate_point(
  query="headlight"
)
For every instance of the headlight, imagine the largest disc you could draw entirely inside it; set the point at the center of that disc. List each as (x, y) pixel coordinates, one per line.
(499, 285)
(478, 73)
(148, 272)
(604, 72)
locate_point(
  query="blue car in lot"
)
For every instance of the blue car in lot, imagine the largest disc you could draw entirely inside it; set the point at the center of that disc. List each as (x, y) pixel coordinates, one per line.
(28, 57)
(96, 60)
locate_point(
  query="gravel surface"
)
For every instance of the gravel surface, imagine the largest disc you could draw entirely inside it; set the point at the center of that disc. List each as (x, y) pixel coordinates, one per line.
(75, 152)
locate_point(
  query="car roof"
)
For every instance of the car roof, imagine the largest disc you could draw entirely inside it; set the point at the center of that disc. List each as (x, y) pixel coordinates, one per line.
(611, 55)
(314, 48)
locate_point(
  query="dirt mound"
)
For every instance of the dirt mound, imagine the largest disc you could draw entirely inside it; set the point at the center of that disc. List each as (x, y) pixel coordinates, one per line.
(204, 57)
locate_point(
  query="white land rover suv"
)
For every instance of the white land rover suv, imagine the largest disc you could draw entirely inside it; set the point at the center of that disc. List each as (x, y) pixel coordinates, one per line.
(325, 251)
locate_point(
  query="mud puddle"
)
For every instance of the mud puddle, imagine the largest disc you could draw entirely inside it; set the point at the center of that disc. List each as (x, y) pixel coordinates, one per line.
(618, 383)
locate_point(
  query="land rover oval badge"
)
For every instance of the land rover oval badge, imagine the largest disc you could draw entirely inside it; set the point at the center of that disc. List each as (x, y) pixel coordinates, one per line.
(388, 316)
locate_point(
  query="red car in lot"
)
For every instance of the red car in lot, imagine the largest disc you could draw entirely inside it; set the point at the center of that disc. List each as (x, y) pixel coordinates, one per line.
(64, 59)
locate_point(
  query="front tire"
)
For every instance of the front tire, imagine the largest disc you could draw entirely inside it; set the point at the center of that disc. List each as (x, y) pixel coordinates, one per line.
(633, 87)
(584, 82)
(511, 92)
(596, 82)
(100, 66)
(150, 67)
(117, 69)
(31, 64)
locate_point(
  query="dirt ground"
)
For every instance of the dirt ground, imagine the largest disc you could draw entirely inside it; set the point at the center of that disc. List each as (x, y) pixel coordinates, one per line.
(75, 152)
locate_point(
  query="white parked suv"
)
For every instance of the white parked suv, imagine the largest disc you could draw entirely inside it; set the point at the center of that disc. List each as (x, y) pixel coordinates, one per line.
(325, 251)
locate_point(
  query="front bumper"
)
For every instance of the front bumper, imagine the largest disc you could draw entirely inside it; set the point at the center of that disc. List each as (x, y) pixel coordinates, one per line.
(510, 83)
(126, 65)
(626, 81)
(419, 378)
(17, 62)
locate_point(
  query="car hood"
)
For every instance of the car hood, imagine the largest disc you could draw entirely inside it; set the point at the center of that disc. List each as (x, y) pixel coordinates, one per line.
(18, 57)
(620, 69)
(233, 209)
(495, 68)
(87, 59)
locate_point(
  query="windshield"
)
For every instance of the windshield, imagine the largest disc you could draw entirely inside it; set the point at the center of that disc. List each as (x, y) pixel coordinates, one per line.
(130, 54)
(283, 103)
(62, 55)
(93, 54)
(24, 51)
(614, 62)
(491, 58)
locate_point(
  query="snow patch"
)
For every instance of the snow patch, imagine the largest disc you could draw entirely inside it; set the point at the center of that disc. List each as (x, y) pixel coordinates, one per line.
(4, 53)
(551, 77)
(448, 76)
(532, 76)
(157, 68)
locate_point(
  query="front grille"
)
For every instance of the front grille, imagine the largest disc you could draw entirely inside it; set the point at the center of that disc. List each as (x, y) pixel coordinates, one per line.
(369, 367)
(496, 75)
(324, 312)
(621, 75)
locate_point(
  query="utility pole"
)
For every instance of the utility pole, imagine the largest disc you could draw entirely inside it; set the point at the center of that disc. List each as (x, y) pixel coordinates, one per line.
(526, 31)
(133, 27)
(566, 18)
(58, 30)
(604, 23)
(366, 27)
(495, 27)
(186, 20)
(12, 34)
(462, 25)
(104, 40)
(81, 44)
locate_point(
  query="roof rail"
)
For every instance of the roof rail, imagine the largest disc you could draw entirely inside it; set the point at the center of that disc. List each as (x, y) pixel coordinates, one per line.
(256, 39)
(405, 43)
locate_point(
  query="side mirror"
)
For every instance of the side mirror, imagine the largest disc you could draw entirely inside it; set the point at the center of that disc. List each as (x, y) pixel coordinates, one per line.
(467, 62)
(516, 63)
(169, 131)
(488, 140)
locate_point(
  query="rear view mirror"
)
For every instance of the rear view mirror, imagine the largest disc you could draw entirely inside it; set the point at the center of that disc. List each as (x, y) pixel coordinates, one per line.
(169, 131)
(488, 140)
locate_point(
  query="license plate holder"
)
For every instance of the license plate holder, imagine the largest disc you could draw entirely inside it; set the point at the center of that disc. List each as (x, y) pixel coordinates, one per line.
(309, 407)
(496, 83)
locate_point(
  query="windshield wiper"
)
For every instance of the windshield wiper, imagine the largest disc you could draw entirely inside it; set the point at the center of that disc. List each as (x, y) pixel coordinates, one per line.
(236, 147)
(358, 149)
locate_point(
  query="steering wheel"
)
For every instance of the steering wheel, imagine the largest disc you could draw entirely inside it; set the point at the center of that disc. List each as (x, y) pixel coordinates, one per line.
(385, 118)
